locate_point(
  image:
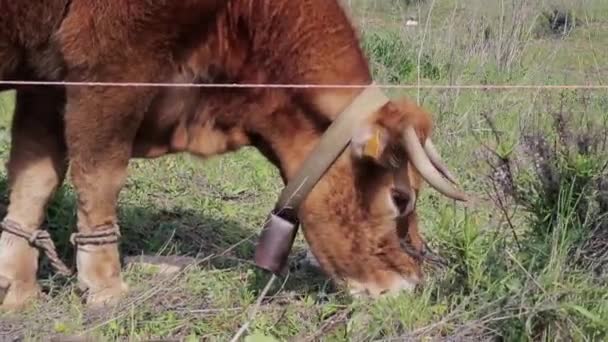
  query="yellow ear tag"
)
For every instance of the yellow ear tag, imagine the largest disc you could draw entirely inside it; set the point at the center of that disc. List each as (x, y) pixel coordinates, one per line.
(372, 147)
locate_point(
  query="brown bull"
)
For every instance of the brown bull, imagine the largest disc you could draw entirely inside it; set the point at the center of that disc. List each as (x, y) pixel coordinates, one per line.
(353, 218)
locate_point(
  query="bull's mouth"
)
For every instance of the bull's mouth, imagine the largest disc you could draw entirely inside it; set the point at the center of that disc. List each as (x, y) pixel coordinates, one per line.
(400, 283)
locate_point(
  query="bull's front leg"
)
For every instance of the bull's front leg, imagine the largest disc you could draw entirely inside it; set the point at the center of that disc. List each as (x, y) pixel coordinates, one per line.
(100, 127)
(36, 167)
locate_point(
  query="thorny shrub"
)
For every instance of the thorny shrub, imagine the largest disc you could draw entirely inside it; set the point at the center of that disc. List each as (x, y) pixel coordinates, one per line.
(559, 177)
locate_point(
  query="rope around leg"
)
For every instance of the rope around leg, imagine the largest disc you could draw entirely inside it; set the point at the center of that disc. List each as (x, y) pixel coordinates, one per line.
(102, 235)
(40, 239)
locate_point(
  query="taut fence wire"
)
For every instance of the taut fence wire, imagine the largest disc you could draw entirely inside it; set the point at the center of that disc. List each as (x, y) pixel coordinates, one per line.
(305, 86)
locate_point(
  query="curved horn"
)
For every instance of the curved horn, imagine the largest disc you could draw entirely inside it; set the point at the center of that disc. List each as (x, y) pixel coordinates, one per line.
(435, 158)
(426, 169)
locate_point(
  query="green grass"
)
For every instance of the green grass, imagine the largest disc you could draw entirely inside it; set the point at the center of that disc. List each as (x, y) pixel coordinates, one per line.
(534, 273)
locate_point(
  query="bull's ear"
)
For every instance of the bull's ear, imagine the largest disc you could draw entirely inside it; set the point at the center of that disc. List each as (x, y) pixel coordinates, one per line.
(370, 141)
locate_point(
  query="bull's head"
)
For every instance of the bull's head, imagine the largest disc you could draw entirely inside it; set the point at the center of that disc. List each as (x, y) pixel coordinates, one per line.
(364, 205)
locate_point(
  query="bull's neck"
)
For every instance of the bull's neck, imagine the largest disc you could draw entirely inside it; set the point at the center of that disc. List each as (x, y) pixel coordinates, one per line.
(289, 149)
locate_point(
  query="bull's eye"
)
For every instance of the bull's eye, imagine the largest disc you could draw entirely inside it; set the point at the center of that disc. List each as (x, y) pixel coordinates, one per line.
(402, 200)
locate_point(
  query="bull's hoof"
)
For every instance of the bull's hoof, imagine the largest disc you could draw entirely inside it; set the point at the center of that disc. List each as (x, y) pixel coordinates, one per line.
(108, 296)
(16, 295)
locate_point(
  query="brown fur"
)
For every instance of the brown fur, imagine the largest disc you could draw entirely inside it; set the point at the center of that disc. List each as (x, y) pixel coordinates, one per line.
(349, 220)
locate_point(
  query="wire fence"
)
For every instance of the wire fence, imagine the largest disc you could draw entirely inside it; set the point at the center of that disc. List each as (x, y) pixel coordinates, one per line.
(305, 86)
